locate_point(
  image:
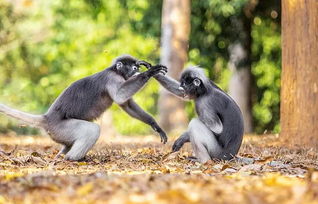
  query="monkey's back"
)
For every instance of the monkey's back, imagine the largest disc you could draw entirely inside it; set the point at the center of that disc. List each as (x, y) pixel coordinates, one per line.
(85, 99)
(230, 115)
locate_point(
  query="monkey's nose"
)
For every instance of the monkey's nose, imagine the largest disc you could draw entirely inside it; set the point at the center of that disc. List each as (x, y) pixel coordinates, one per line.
(181, 89)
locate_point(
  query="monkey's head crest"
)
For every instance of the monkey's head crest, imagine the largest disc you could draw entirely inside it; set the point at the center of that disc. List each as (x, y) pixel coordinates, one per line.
(196, 71)
(124, 58)
(193, 81)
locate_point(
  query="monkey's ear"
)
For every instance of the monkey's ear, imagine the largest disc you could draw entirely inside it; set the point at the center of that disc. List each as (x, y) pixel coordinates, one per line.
(196, 82)
(119, 65)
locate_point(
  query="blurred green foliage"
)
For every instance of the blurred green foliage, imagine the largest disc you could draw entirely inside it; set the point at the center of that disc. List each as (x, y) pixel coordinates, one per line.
(214, 28)
(46, 45)
(57, 42)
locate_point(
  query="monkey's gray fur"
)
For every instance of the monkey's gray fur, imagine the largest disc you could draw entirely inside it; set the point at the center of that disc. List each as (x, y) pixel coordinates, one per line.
(68, 120)
(218, 130)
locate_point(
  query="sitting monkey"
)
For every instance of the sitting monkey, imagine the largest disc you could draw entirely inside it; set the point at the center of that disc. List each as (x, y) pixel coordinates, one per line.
(218, 130)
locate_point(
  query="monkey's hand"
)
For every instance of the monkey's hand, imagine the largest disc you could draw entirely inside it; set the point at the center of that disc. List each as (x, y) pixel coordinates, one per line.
(178, 144)
(144, 63)
(162, 134)
(154, 70)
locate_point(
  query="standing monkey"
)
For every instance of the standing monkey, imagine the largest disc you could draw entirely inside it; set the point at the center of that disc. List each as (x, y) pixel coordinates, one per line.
(68, 120)
(218, 130)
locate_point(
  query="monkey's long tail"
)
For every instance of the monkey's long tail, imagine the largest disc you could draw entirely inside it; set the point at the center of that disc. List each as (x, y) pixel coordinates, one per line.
(27, 118)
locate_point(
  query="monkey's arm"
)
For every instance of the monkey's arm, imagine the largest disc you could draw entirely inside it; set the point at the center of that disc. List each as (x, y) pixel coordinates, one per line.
(213, 122)
(135, 111)
(170, 84)
(121, 91)
(184, 138)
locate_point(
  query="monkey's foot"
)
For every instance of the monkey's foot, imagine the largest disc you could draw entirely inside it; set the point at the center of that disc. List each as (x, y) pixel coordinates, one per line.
(75, 160)
(192, 158)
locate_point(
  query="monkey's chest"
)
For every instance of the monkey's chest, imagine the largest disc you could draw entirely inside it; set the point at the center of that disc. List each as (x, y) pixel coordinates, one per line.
(208, 110)
(204, 107)
(98, 108)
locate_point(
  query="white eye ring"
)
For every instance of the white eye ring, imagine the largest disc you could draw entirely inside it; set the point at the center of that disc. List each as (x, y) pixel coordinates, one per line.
(119, 65)
(135, 68)
(196, 82)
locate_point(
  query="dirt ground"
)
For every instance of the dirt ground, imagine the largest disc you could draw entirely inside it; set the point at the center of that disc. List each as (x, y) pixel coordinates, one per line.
(141, 170)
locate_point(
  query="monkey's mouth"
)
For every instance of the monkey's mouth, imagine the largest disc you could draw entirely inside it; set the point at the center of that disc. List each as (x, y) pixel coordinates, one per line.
(184, 95)
(181, 89)
(136, 74)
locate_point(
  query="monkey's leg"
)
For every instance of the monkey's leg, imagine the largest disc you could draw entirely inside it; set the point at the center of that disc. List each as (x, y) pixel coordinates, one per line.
(79, 135)
(203, 141)
(63, 150)
(86, 136)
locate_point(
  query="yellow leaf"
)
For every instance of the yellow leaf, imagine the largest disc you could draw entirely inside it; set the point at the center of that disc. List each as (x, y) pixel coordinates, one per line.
(12, 175)
(210, 171)
(146, 150)
(225, 166)
(2, 200)
(85, 189)
(280, 180)
(165, 170)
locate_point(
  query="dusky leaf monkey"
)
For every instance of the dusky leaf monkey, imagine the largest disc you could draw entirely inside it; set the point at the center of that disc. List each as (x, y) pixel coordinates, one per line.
(218, 130)
(69, 119)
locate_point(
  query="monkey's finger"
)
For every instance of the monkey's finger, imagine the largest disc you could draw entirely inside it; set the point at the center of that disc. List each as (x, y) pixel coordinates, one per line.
(175, 148)
(161, 65)
(159, 71)
(163, 137)
(147, 65)
(164, 70)
(177, 145)
(144, 63)
(165, 140)
(164, 67)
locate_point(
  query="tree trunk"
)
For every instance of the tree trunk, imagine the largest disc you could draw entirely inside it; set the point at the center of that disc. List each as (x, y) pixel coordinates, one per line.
(174, 47)
(299, 93)
(240, 82)
(240, 63)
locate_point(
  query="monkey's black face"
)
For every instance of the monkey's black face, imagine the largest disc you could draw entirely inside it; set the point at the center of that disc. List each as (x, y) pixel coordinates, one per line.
(128, 67)
(130, 70)
(193, 86)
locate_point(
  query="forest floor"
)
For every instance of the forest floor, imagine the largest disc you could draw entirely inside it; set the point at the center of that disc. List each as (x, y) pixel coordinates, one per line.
(141, 170)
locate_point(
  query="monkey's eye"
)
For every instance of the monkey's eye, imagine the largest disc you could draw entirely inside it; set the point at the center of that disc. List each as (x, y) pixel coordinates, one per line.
(196, 82)
(134, 68)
